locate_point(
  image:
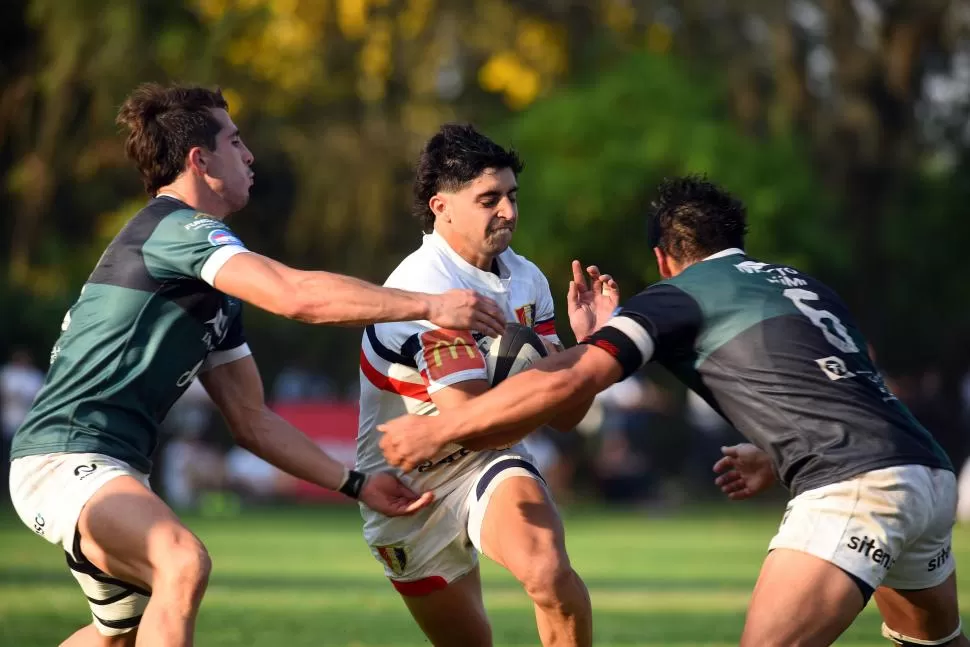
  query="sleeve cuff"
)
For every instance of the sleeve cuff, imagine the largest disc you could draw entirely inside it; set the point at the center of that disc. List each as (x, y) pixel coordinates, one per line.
(456, 378)
(637, 334)
(217, 259)
(220, 357)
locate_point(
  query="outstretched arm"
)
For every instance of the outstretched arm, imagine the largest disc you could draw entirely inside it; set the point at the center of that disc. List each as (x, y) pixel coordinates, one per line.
(328, 298)
(556, 383)
(237, 389)
(512, 409)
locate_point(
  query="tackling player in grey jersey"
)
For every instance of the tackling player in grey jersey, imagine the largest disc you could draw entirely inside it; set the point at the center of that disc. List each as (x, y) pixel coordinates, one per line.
(161, 307)
(778, 354)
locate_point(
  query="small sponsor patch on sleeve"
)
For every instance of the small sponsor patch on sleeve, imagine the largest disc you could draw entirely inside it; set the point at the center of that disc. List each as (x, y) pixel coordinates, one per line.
(450, 351)
(219, 237)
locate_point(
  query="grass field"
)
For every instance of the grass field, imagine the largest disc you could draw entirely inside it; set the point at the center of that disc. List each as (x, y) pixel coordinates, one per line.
(303, 577)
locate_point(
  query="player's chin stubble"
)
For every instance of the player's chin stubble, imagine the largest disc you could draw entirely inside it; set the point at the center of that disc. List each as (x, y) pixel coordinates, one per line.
(499, 239)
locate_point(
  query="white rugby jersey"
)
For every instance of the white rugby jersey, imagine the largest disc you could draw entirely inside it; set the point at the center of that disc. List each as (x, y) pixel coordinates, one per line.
(403, 363)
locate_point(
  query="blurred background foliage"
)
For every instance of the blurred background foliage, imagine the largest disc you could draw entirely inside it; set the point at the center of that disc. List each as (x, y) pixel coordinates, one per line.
(842, 124)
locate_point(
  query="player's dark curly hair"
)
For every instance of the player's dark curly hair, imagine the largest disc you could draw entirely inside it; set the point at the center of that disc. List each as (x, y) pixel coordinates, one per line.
(692, 218)
(164, 124)
(456, 155)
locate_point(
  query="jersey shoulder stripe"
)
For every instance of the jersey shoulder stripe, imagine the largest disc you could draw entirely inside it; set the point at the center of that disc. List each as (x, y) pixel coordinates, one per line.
(390, 355)
(391, 376)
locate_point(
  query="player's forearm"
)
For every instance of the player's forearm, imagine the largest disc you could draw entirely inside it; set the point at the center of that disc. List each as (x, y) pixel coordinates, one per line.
(325, 298)
(287, 448)
(570, 416)
(519, 405)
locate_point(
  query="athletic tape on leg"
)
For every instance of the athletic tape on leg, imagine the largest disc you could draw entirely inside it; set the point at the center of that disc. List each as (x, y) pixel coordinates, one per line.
(116, 606)
(906, 641)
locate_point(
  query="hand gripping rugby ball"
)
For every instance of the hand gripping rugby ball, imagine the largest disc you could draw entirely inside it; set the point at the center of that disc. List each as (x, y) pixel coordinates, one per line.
(515, 350)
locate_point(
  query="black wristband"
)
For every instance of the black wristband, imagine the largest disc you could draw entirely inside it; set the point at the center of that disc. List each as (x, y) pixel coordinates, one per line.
(353, 485)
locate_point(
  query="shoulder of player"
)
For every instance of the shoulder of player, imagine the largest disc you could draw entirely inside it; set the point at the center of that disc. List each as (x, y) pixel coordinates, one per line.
(424, 271)
(660, 296)
(521, 266)
(192, 220)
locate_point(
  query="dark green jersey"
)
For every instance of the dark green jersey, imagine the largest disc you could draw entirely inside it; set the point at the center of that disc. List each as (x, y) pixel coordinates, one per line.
(778, 354)
(146, 323)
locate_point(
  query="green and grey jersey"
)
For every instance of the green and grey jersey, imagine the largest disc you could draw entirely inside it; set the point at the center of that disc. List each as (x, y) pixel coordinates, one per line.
(778, 354)
(146, 323)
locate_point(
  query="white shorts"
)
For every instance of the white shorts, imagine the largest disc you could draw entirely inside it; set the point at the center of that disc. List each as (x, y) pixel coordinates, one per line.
(48, 492)
(446, 545)
(889, 527)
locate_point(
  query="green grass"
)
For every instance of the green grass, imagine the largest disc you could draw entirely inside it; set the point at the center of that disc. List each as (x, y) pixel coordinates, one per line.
(303, 578)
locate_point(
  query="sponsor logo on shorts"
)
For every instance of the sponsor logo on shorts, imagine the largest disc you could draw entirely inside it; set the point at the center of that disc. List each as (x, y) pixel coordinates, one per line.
(939, 560)
(427, 466)
(222, 237)
(395, 556)
(865, 546)
(39, 523)
(84, 471)
(835, 368)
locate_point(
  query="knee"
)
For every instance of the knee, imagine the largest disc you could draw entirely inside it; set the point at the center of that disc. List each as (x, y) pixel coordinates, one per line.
(552, 582)
(186, 563)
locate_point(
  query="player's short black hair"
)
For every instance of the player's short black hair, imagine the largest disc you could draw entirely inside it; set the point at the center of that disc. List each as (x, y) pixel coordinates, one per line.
(164, 124)
(454, 156)
(692, 218)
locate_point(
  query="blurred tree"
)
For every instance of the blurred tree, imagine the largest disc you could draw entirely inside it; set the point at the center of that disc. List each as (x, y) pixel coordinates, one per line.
(354, 87)
(595, 154)
(880, 89)
(69, 68)
(786, 102)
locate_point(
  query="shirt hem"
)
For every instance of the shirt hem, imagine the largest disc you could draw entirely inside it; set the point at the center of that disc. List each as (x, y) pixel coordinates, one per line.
(844, 475)
(136, 463)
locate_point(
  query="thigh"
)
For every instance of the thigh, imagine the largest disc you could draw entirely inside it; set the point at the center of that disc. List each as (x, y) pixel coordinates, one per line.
(929, 614)
(114, 531)
(453, 616)
(128, 532)
(800, 601)
(513, 520)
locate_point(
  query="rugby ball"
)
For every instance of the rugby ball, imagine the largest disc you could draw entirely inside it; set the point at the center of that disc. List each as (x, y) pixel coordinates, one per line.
(515, 350)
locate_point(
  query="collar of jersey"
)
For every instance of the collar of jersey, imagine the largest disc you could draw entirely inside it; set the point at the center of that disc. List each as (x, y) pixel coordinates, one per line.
(437, 241)
(725, 252)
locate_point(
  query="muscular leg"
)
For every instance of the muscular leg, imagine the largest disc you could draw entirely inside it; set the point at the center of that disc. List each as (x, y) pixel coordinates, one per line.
(130, 534)
(800, 601)
(929, 615)
(453, 616)
(521, 530)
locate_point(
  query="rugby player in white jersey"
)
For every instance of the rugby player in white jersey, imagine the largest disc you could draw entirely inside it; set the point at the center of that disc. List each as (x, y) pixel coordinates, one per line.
(489, 497)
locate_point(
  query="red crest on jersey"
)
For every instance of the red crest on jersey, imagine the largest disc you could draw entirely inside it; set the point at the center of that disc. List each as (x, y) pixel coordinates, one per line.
(450, 351)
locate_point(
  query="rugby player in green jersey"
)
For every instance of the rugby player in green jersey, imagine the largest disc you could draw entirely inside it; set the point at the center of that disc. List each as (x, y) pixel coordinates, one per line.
(778, 354)
(161, 308)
